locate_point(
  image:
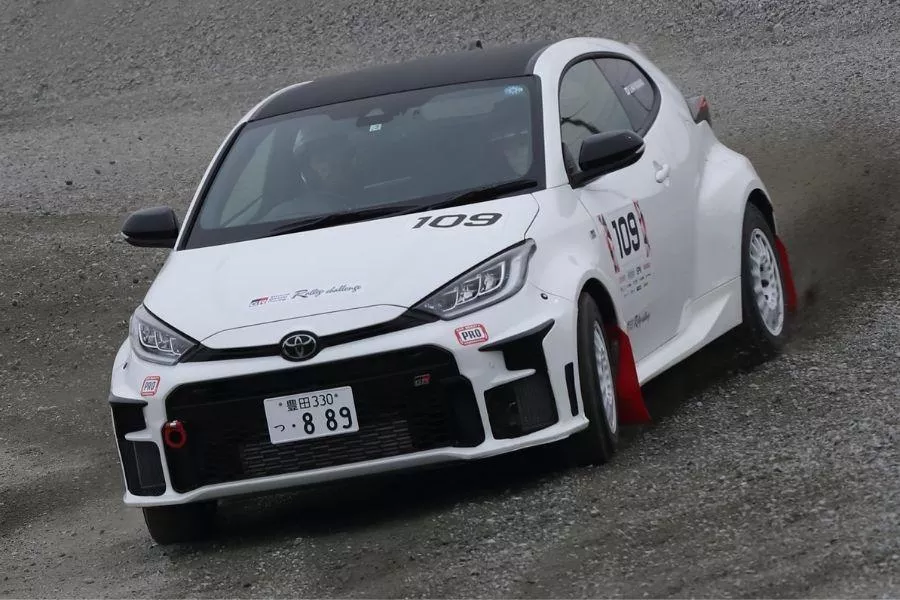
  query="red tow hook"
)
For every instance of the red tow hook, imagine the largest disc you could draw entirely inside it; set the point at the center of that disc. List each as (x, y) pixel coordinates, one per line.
(174, 434)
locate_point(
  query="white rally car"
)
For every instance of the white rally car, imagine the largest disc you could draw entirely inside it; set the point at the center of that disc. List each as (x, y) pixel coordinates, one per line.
(444, 259)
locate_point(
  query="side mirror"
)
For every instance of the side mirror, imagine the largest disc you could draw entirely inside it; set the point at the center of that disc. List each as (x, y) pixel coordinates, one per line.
(604, 153)
(155, 227)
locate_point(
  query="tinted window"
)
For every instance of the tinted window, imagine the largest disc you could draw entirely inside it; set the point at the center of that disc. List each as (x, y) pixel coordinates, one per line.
(587, 105)
(634, 89)
(407, 149)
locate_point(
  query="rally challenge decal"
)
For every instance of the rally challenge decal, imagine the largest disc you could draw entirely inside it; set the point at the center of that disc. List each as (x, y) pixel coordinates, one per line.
(305, 293)
(629, 247)
(471, 334)
(150, 385)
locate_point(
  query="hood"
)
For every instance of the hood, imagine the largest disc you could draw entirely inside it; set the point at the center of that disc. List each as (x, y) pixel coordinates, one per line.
(395, 261)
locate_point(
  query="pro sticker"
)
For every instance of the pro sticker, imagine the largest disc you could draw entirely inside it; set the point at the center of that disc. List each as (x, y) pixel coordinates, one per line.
(150, 385)
(471, 334)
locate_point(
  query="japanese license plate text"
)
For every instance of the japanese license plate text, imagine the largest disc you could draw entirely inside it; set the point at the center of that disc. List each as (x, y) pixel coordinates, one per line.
(311, 415)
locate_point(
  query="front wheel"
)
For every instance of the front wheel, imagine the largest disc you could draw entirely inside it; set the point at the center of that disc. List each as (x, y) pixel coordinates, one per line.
(596, 444)
(765, 318)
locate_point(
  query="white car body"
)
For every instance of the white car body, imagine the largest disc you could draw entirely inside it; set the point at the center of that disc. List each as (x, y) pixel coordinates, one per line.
(687, 194)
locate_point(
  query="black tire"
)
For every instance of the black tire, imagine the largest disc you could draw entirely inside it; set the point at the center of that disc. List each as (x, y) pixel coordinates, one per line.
(597, 444)
(754, 333)
(180, 523)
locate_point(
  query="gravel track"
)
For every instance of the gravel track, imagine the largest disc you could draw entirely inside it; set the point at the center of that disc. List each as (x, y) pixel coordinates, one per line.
(773, 480)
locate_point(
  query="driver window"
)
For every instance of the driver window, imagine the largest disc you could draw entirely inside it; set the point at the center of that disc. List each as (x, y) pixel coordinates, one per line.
(587, 105)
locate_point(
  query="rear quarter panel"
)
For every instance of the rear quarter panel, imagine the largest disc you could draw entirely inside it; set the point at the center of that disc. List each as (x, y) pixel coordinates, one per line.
(726, 180)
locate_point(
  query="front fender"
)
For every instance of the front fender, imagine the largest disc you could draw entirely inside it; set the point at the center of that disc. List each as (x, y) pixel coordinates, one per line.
(571, 249)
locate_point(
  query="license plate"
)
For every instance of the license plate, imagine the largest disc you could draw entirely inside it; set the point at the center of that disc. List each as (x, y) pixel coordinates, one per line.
(311, 415)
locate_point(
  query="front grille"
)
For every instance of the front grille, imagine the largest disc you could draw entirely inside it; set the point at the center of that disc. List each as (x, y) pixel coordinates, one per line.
(227, 438)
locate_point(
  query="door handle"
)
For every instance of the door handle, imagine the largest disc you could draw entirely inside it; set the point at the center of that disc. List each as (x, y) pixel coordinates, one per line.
(662, 173)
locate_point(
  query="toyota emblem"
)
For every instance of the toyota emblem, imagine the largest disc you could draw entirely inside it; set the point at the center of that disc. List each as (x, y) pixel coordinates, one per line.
(299, 346)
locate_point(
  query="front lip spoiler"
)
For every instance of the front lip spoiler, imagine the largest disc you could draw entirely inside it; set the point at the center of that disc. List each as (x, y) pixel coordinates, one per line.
(410, 318)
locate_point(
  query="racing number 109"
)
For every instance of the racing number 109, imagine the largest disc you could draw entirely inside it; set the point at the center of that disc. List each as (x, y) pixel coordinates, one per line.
(628, 234)
(448, 221)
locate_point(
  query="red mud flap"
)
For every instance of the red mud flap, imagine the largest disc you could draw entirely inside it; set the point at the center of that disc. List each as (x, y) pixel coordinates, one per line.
(630, 404)
(790, 288)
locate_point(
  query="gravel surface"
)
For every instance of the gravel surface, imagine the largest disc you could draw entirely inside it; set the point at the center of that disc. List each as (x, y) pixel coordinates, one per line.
(773, 480)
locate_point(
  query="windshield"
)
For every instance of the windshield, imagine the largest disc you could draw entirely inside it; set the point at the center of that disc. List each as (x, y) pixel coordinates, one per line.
(371, 158)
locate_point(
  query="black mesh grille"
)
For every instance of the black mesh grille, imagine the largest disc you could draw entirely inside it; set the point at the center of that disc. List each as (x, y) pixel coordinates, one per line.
(226, 424)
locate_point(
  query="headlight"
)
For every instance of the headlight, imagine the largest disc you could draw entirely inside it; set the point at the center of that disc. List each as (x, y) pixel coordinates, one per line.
(492, 281)
(155, 341)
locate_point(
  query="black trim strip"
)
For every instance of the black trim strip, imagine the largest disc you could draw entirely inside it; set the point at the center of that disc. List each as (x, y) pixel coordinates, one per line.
(570, 385)
(407, 320)
(541, 329)
(114, 400)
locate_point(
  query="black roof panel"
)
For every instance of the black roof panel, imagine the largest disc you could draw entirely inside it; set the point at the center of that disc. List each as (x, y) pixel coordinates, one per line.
(430, 71)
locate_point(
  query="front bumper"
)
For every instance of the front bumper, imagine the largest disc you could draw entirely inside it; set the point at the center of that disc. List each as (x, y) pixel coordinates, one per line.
(515, 390)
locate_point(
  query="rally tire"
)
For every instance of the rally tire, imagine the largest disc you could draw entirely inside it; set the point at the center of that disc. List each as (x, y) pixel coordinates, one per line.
(180, 523)
(597, 444)
(762, 285)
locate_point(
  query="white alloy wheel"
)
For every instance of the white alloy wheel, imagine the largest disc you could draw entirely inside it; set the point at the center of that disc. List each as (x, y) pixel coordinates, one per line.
(766, 277)
(605, 378)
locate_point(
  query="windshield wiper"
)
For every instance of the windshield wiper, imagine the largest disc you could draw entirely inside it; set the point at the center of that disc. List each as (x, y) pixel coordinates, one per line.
(481, 194)
(337, 218)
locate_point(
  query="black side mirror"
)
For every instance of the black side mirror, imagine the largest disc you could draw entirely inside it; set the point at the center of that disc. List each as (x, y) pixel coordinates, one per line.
(155, 227)
(606, 152)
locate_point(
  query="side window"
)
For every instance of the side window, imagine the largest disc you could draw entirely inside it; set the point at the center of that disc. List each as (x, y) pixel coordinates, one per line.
(587, 105)
(633, 88)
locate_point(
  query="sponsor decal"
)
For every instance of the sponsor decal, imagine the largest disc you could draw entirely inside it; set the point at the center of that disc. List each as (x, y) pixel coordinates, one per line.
(305, 293)
(637, 321)
(629, 247)
(316, 292)
(150, 385)
(471, 334)
(633, 87)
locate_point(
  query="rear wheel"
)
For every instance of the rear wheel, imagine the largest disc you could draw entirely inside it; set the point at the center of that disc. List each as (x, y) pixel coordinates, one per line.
(765, 318)
(596, 444)
(180, 522)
